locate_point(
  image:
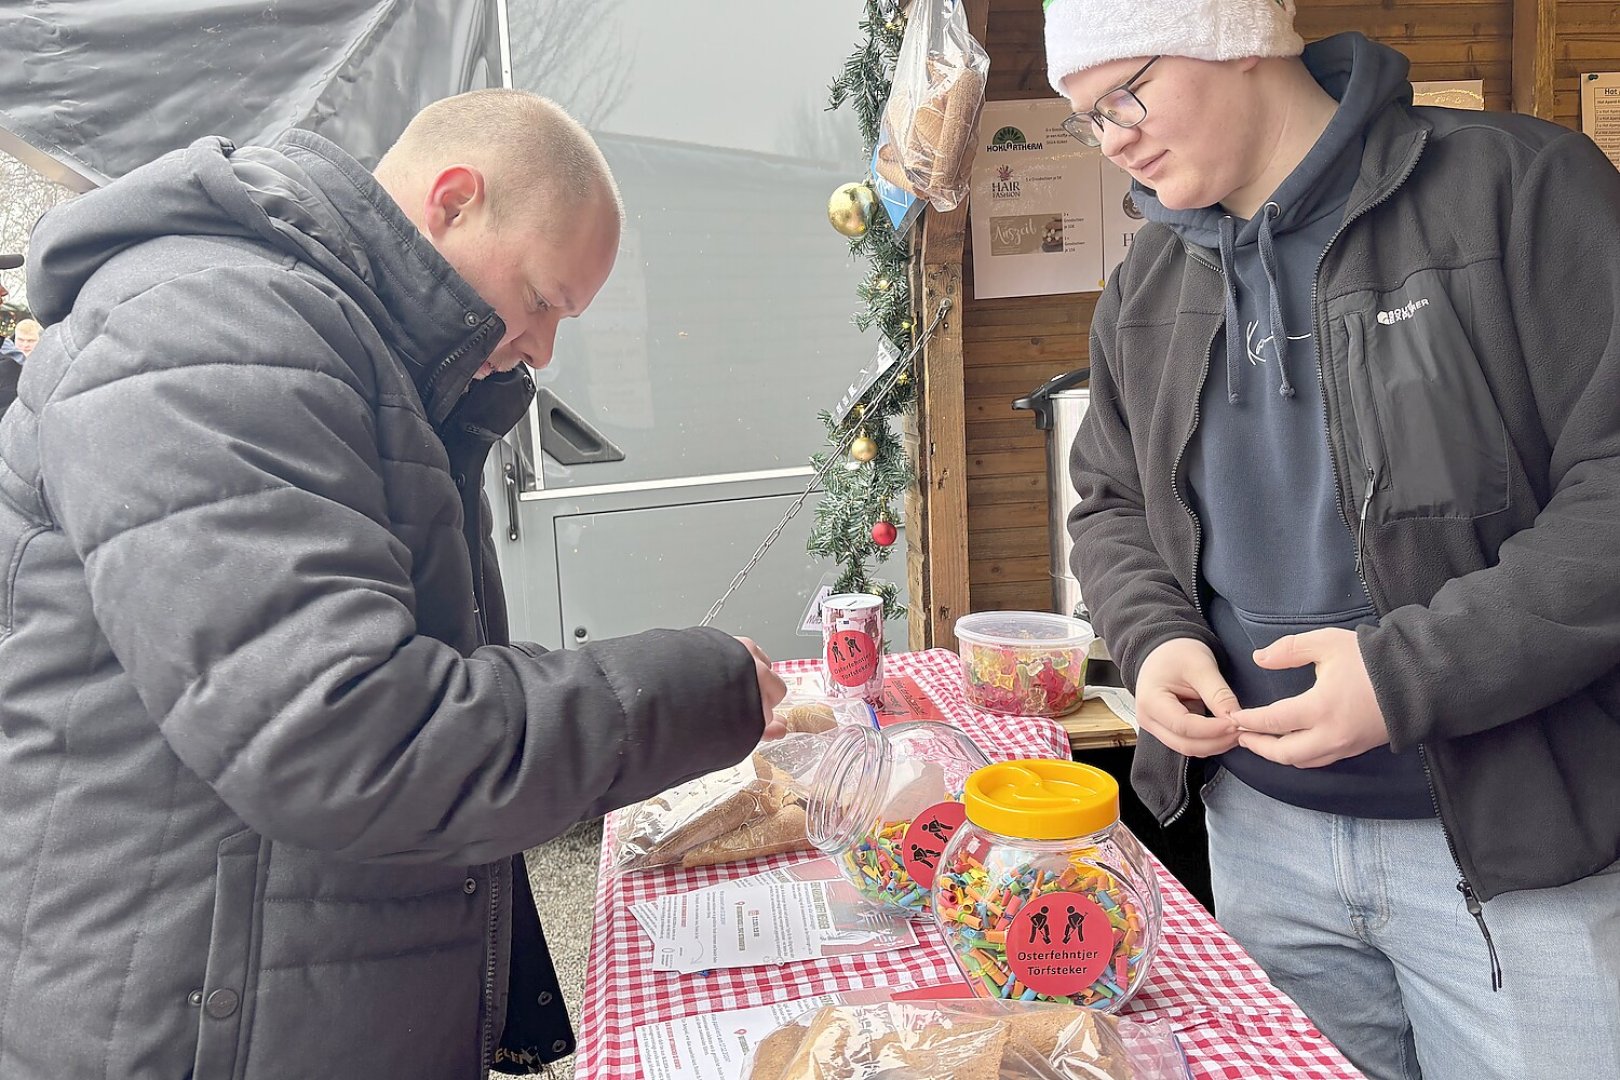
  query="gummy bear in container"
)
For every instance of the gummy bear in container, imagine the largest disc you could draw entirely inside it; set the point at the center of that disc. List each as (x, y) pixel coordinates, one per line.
(1024, 663)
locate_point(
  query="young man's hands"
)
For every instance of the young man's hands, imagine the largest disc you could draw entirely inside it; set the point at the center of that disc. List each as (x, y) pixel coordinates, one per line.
(771, 690)
(1183, 672)
(1337, 718)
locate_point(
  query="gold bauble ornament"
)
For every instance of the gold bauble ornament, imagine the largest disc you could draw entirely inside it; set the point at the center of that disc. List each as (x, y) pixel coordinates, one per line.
(851, 208)
(863, 448)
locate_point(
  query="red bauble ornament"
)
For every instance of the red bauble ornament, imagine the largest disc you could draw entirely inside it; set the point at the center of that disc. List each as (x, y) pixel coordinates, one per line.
(884, 533)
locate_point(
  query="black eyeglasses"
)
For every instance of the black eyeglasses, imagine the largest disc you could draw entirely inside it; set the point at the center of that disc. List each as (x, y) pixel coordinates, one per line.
(1120, 107)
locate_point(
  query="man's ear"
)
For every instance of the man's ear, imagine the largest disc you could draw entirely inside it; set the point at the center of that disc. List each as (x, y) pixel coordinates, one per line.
(454, 194)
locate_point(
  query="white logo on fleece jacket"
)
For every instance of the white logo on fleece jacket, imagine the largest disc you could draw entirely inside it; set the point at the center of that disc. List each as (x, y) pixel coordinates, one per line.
(1390, 318)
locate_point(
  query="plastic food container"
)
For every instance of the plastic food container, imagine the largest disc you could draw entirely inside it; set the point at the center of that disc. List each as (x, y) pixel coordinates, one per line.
(1024, 663)
(884, 803)
(1042, 894)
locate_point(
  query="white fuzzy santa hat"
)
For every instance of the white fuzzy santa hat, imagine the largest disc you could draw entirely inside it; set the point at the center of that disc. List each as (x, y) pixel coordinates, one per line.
(1081, 34)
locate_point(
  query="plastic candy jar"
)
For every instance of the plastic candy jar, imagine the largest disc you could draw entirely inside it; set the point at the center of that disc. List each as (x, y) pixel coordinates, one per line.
(1042, 894)
(884, 803)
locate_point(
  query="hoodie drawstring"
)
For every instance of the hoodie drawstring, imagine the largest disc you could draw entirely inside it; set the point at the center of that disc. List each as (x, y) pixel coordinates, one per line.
(1234, 327)
(1268, 261)
(1235, 337)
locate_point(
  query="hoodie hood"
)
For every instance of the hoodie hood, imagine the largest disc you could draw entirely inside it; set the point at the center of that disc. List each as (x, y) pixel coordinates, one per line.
(1364, 77)
(303, 196)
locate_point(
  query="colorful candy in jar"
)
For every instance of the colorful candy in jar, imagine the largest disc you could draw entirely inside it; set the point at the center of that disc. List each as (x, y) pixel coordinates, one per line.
(895, 864)
(885, 803)
(1013, 682)
(1042, 894)
(1080, 940)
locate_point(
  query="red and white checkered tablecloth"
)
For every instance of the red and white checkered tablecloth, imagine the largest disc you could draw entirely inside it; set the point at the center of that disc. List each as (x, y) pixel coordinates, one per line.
(1233, 1024)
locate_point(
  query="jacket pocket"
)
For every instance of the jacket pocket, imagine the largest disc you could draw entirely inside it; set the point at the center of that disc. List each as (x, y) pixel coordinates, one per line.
(1369, 429)
(226, 992)
(1426, 421)
(11, 557)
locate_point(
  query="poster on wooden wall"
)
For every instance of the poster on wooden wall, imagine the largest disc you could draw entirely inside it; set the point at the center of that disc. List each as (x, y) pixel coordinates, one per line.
(1600, 111)
(1049, 214)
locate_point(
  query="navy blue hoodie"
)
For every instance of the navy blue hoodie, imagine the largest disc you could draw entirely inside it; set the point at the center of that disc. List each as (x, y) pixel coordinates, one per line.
(1277, 556)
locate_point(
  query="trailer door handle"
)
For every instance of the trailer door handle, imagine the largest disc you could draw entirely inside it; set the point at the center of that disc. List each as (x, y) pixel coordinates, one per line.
(567, 436)
(509, 479)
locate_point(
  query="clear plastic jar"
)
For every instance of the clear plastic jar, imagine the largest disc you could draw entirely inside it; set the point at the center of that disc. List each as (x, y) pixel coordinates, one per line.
(884, 803)
(1024, 663)
(1042, 894)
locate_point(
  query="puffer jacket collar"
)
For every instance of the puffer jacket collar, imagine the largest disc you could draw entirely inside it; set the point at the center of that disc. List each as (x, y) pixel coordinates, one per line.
(449, 330)
(305, 193)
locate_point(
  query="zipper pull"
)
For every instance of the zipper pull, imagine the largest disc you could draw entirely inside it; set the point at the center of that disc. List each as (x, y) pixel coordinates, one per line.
(1366, 504)
(1478, 912)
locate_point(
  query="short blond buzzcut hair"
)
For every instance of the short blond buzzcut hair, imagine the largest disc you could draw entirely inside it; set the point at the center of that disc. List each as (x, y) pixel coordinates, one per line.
(513, 137)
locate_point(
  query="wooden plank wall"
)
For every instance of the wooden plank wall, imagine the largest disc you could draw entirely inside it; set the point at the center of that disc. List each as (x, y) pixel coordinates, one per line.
(1011, 346)
(1587, 39)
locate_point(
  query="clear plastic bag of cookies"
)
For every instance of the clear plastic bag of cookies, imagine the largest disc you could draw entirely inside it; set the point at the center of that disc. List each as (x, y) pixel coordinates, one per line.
(932, 116)
(967, 1040)
(752, 809)
(665, 829)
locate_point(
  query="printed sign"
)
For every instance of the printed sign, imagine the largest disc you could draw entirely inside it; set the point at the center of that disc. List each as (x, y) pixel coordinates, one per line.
(1059, 943)
(852, 657)
(1600, 111)
(882, 360)
(1050, 214)
(926, 838)
(904, 701)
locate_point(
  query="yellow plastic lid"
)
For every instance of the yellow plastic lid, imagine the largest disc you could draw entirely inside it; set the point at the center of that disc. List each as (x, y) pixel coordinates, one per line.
(1041, 799)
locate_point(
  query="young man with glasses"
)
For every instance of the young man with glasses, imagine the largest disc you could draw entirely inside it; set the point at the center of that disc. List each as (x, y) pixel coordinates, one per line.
(1349, 482)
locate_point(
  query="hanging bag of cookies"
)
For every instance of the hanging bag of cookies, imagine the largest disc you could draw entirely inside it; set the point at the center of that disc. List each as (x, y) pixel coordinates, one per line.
(932, 117)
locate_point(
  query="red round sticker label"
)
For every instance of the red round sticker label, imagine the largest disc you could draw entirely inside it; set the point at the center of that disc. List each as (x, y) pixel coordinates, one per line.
(926, 838)
(1060, 943)
(852, 657)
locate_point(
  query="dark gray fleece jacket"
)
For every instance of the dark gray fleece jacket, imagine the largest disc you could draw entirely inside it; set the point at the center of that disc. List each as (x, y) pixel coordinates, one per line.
(1467, 325)
(1275, 558)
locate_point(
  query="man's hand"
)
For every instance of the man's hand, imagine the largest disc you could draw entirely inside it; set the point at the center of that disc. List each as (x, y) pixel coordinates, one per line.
(1337, 718)
(1179, 673)
(771, 691)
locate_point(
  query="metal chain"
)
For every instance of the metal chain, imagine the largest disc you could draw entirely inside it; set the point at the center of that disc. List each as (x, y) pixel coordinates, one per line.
(834, 459)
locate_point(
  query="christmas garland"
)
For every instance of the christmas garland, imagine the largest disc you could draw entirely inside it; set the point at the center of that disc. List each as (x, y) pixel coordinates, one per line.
(855, 517)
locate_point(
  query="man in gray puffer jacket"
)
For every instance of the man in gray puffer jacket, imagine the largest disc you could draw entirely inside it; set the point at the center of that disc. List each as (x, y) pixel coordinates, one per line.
(267, 757)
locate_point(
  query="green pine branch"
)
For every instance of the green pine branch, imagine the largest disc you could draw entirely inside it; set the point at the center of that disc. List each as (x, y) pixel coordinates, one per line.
(860, 494)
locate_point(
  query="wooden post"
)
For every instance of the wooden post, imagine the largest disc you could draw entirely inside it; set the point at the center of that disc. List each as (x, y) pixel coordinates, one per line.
(1535, 38)
(942, 423)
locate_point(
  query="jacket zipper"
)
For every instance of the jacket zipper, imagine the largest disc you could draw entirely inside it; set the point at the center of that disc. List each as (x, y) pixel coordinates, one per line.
(448, 362)
(472, 507)
(1198, 531)
(1464, 886)
(1361, 534)
(473, 511)
(489, 967)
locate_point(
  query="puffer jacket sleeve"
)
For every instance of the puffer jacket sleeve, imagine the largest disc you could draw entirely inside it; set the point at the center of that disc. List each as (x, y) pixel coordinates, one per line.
(1551, 603)
(1134, 597)
(215, 462)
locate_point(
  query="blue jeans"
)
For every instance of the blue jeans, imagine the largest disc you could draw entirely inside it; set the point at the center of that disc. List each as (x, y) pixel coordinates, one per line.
(1360, 921)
